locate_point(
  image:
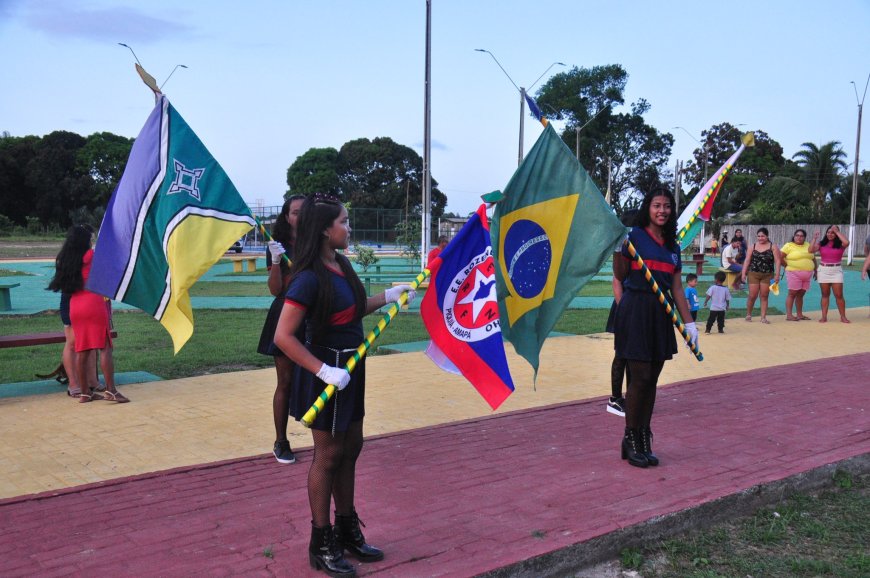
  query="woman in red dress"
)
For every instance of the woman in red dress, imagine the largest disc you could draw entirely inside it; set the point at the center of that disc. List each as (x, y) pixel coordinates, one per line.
(89, 313)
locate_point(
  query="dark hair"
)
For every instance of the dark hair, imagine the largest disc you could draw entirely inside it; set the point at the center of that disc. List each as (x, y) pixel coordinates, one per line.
(669, 230)
(316, 216)
(798, 231)
(836, 243)
(282, 231)
(720, 276)
(763, 230)
(68, 265)
(691, 277)
(442, 239)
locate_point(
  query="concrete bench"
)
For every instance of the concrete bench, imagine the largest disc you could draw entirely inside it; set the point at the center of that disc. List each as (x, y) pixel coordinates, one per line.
(249, 262)
(6, 296)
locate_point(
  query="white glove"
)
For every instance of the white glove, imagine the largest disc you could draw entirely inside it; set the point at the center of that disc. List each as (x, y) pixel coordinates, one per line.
(692, 330)
(277, 249)
(339, 377)
(393, 293)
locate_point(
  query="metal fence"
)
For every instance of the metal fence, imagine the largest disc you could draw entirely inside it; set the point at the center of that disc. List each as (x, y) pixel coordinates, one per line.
(372, 227)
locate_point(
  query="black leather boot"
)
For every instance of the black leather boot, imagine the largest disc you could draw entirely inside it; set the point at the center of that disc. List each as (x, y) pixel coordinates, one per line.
(324, 554)
(349, 536)
(632, 450)
(646, 444)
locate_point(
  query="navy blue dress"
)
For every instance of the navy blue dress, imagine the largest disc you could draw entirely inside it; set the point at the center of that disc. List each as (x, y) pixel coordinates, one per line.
(344, 335)
(642, 329)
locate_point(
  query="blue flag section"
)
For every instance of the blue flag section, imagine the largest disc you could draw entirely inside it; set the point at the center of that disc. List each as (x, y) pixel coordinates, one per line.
(460, 312)
(551, 233)
(174, 215)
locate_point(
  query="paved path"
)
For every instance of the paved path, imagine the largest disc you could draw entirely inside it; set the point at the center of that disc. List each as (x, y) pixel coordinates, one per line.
(515, 491)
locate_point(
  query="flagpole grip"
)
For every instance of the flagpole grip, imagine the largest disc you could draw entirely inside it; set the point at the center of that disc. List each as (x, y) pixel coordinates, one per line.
(329, 391)
(665, 303)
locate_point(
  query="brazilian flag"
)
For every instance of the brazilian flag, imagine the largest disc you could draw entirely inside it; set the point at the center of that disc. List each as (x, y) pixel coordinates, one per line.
(551, 233)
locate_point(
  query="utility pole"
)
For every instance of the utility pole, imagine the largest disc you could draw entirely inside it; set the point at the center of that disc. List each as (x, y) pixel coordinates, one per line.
(855, 174)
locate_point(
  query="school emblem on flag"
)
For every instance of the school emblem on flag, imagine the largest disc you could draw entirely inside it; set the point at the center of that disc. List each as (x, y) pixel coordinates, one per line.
(470, 306)
(461, 312)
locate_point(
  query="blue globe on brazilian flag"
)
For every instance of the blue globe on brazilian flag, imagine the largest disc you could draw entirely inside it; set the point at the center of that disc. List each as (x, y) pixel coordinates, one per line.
(551, 233)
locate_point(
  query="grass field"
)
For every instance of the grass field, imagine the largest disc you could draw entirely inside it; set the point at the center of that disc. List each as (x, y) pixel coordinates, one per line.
(823, 534)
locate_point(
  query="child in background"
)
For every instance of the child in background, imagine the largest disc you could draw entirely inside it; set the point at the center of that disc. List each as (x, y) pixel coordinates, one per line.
(719, 298)
(692, 295)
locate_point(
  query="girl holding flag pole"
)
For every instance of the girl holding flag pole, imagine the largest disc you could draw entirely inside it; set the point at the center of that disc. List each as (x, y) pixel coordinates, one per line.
(326, 297)
(643, 332)
(281, 244)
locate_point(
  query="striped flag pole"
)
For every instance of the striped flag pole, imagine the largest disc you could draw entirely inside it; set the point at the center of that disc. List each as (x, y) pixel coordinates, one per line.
(268, 237)
(329, 391)
(664, 301)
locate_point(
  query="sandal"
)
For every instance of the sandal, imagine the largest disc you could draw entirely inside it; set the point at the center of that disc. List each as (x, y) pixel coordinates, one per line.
(804, 318)
(749, 318)
(792, 319)
(115, 396)
(765, 321)
(86, 397)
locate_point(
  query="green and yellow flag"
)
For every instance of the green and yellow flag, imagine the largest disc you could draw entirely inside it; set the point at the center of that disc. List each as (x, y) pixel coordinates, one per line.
(551, 233)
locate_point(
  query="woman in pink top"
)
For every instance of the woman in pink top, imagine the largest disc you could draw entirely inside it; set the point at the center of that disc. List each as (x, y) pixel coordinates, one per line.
(830, 273)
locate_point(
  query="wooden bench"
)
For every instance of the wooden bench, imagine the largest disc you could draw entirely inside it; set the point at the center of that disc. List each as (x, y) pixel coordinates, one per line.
(249, 262)
(6, 296)
(48, 338)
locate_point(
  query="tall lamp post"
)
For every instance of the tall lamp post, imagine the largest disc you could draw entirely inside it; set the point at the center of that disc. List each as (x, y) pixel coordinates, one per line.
(855, 174)
(522, 92)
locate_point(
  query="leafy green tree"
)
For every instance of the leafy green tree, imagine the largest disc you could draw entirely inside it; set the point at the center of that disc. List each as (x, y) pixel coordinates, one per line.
(368, 174)
(58, 181)
(822, 169)
(16, 195)
(635, 153)
(316, 171)
(104, 157)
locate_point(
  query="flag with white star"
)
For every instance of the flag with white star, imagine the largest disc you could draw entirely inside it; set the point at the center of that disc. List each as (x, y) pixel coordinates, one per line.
(460, 312)
(174, 215)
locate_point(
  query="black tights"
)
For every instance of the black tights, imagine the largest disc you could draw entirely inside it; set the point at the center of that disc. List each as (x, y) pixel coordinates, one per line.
(333, 472)
(618, 368)
(643, 377)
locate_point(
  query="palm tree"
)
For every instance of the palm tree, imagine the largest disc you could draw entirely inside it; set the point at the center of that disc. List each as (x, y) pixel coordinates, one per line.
(821, 170)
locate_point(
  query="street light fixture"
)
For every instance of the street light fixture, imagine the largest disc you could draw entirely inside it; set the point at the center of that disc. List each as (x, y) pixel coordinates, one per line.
(522, 92)
(131, 50)
(177, 66)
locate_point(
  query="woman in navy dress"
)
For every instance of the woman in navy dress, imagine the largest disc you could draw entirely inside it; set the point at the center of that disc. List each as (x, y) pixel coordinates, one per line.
(327, 298)
(644, 333)
(283, 241)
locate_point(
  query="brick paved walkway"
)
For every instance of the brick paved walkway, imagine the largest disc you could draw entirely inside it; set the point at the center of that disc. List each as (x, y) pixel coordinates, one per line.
(520, 492)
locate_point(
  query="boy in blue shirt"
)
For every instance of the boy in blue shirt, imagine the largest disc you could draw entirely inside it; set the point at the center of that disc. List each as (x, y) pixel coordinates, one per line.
(692, 295)
(721, 298)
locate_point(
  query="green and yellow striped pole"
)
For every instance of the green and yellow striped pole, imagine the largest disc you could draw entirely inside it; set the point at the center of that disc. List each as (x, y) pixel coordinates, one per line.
(327, 393)
(268, 237)
(664, 301)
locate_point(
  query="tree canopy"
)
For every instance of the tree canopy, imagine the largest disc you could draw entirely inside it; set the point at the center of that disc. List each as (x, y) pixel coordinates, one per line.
(623, 144)
(62, 174)
(368, 174)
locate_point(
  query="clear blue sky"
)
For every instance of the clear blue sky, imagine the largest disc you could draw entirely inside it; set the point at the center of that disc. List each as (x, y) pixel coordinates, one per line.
(267, 80)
